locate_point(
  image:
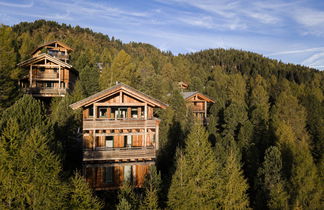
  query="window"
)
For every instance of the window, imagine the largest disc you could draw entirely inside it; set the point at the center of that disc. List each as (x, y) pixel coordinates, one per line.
(128, 173)
(134, 113)
(109, 175)
(102, 112)
(128, 140)
(122, 113)
(49, 84)
(109, 141)
(91, 111)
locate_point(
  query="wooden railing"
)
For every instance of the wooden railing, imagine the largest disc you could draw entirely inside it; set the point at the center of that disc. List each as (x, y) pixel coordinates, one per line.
(100, 123)
(120, 154)
(43, 91)
(197, 109)
(47, 75)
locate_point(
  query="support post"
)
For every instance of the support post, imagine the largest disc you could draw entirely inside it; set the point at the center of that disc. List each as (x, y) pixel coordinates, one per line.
(205, 109)
(157, 136)
(31, 76)
(60, 78)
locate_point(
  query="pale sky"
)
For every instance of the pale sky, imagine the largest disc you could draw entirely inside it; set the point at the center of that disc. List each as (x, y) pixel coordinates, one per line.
(288, 30)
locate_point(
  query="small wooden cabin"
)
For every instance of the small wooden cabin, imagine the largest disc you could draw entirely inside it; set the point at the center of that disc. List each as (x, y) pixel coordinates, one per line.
(49, 73)
(120, 136)
(198, 104)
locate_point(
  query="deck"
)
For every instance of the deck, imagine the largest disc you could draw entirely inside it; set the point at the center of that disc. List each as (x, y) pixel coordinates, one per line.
(120, 154)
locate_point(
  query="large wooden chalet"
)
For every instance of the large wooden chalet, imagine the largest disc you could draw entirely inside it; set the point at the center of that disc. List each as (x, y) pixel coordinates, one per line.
(120, 136)
(50, 74)
(198, 104)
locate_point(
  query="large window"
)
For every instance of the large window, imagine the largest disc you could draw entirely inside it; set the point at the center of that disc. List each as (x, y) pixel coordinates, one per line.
(109, 175)
(102, 112)
(134, 113)
(128, 140)
(49, 84)
(91, 111)
(128, 173)
(109, 141)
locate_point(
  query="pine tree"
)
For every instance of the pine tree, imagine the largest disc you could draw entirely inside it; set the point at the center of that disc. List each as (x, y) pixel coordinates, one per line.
(127, 197)
(81, 195)
(152, 187)
(195, 180)
(9, 74)
(271, 181)
(233, 190)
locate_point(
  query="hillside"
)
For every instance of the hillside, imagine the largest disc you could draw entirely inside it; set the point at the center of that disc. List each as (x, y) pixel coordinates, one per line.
(269, 114)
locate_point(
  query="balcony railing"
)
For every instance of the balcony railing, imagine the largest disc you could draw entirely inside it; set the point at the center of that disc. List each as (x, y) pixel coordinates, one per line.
(43, 91)
(131, 153)
(47, 76)
(100, 123)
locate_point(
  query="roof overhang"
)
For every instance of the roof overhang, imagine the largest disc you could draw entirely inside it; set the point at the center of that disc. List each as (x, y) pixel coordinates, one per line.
(115, 89)
(41, 57)
(204, 97)
(50, 43)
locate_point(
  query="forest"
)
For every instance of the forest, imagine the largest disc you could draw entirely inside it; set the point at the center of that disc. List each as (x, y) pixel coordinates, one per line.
(262, 149)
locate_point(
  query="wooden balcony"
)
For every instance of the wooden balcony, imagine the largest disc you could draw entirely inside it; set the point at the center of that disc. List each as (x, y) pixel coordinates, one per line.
(120, 154)
(46, 92)
(98, 123)
(47, 76)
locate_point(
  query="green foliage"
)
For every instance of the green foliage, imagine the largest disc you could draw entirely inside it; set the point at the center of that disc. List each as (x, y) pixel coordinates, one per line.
(127, 197)
(8, 71)
(152, 188)
(195, 179)
(271, 181)
(233, 186)
(81, 195)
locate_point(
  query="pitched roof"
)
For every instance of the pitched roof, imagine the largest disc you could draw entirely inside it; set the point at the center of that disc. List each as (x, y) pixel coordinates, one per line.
(188, 95)
(120, 86)
(53, 42)
(42, 57)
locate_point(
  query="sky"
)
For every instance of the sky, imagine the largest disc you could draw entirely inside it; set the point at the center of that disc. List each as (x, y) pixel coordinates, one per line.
(288, 30)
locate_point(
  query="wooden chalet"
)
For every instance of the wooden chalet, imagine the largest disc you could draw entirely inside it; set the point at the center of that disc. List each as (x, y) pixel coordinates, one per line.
(50, 74)
(120, 136)
(198, 104)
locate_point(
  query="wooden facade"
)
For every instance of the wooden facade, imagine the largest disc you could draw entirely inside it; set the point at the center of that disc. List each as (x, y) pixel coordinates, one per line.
(49, 73)
(198, 104)
(120, 136)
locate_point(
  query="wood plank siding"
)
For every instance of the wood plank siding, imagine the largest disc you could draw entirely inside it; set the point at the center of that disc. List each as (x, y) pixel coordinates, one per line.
(50, 74)
(119, 127)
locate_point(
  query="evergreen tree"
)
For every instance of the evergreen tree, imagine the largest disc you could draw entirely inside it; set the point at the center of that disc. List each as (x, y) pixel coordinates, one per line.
(81, 195)
(233, 190)
(271, 181)
(196, 179)
(127, 198)
(152, 187)
(9, 74)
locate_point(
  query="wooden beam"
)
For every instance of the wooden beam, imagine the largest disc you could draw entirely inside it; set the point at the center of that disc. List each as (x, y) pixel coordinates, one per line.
(120, 104)
(157, 136)
(31, 76)
(205, 109)
(59, 77)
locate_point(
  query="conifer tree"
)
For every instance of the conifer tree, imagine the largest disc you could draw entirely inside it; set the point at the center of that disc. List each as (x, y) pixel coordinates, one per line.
(195, 180)
(9, 74)
(271, 181)
(233, 188)
(152, 187)
(81, 195)
(127, 198)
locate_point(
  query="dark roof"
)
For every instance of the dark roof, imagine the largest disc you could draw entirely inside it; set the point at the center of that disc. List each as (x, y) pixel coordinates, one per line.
(102, 93)
(49, 43)
(187, 95)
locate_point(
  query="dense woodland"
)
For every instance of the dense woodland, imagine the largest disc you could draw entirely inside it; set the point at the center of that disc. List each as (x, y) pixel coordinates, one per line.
(262, 148)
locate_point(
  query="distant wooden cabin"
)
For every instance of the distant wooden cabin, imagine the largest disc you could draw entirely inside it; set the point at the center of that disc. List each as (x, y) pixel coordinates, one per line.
(198, 104)
(120, 136)
(50, 74)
